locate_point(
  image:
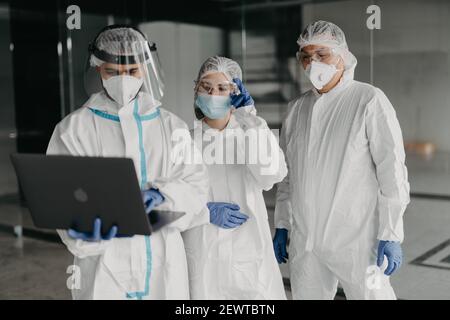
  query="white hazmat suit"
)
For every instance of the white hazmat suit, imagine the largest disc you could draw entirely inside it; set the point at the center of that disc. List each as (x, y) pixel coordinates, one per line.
(236, 263)
(152, 267)
(140, 267)
(347, 185)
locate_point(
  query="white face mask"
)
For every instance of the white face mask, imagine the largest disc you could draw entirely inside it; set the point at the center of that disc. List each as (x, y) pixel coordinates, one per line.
(122, 89)
(320, 74)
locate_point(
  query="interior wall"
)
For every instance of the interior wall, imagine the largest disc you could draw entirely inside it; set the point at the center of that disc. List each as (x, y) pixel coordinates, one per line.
(411, 59)
(182, 48)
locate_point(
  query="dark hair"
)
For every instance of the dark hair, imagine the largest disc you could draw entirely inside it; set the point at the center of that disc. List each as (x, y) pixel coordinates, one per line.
(198, 113)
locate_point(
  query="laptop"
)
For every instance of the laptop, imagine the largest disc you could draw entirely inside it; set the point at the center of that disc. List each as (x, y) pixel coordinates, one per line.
(65, 192)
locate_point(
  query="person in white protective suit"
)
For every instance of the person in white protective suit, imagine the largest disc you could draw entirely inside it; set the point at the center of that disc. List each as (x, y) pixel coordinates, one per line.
(233, 258)
(347, 188)
(123, 118)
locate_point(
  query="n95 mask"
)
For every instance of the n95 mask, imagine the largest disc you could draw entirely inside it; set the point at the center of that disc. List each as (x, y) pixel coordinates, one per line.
(320, 74)
(122, 89)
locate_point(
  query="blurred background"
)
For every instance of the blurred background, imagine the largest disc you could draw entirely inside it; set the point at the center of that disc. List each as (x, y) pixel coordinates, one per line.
(41, 81)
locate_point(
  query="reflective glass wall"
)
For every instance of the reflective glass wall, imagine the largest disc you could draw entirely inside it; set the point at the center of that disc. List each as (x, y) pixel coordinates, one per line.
(263, 41)
(8, 132)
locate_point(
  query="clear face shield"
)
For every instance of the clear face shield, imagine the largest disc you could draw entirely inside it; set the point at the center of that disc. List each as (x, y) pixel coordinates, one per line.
(124, 67)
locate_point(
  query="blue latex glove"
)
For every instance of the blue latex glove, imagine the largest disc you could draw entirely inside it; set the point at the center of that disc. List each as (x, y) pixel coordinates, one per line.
(95, 235)
(279, 245)
(226, 215)
(393, 251)
(152, 198)
(242, 99)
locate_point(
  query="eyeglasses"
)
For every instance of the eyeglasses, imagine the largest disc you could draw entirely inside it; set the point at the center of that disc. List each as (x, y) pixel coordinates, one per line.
(321, 55)
(223, 88)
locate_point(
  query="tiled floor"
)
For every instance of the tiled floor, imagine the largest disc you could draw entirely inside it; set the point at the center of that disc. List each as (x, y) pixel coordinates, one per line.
(427, 226)
(32, 269)
(36, 269)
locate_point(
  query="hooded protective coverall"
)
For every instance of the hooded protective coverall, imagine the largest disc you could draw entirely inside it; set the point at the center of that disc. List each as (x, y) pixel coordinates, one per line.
(125, 120)
(236, 263)
(346, 189)
(142, 267)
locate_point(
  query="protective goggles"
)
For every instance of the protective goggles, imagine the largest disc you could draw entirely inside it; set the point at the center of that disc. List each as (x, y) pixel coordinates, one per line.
(325, 55)
(211, 87)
